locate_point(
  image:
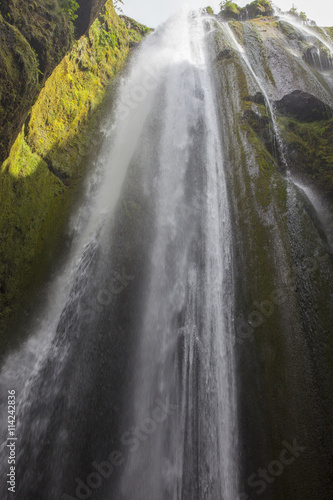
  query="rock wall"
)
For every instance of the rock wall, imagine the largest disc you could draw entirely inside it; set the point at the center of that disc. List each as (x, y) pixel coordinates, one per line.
(283, 264)
(39, 179)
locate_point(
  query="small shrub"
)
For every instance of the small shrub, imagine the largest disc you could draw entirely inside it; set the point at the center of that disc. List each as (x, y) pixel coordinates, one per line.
(70, 7)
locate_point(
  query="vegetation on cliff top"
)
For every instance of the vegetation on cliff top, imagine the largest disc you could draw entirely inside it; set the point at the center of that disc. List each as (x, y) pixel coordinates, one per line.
(258, 8)
(255, 9)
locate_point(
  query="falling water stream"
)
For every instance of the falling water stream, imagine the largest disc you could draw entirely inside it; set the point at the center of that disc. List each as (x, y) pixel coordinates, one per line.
(133, 356)
(247, 65)
(308, 31)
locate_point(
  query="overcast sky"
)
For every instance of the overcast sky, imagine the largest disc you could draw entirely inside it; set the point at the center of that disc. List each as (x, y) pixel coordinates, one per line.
(153, 12)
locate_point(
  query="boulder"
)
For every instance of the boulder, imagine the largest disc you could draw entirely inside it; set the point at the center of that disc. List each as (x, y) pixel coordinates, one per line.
(304, 107)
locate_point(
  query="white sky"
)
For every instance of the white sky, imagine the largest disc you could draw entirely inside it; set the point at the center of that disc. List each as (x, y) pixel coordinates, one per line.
(153, 12)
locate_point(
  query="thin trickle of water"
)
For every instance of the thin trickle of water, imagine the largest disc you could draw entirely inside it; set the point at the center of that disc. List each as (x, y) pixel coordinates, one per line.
(230, 37)
(327, 36)
(308, 31)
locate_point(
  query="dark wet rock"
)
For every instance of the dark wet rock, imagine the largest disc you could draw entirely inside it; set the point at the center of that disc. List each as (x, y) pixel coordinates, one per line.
(256, 120)
(290, 31)
(258, 98)
(304, 107)
(87, 13)
(224, 54)
(260, 124)
(318, 58)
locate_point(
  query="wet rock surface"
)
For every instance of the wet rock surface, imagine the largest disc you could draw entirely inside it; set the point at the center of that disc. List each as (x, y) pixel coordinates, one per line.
(318, 58)
(224, 54)
(258, 98)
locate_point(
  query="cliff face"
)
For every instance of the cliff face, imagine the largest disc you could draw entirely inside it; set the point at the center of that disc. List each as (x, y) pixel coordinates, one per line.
(276, 127)
(46, 163)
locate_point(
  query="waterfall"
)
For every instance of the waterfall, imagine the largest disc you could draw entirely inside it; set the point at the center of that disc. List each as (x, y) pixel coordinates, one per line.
(128, 385)
(188, 308)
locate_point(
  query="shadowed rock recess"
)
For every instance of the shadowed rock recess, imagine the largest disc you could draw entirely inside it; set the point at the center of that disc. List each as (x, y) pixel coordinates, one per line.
(304, 107)
(208, 287)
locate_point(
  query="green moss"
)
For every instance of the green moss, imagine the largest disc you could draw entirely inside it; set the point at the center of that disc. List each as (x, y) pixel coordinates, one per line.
(238, 28)
(74, 92)
(264, 160)
(312, 152)
(288, 30)
(70, 7)
(270, 239)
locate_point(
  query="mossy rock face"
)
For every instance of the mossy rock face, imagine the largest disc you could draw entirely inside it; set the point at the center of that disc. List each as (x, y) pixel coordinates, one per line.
(310, 153)
(136, 29)
(290, 31)
(35, 36)
(284, 354)
(257, 119)
(224, 54)
(45, 25)
(39, 179)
